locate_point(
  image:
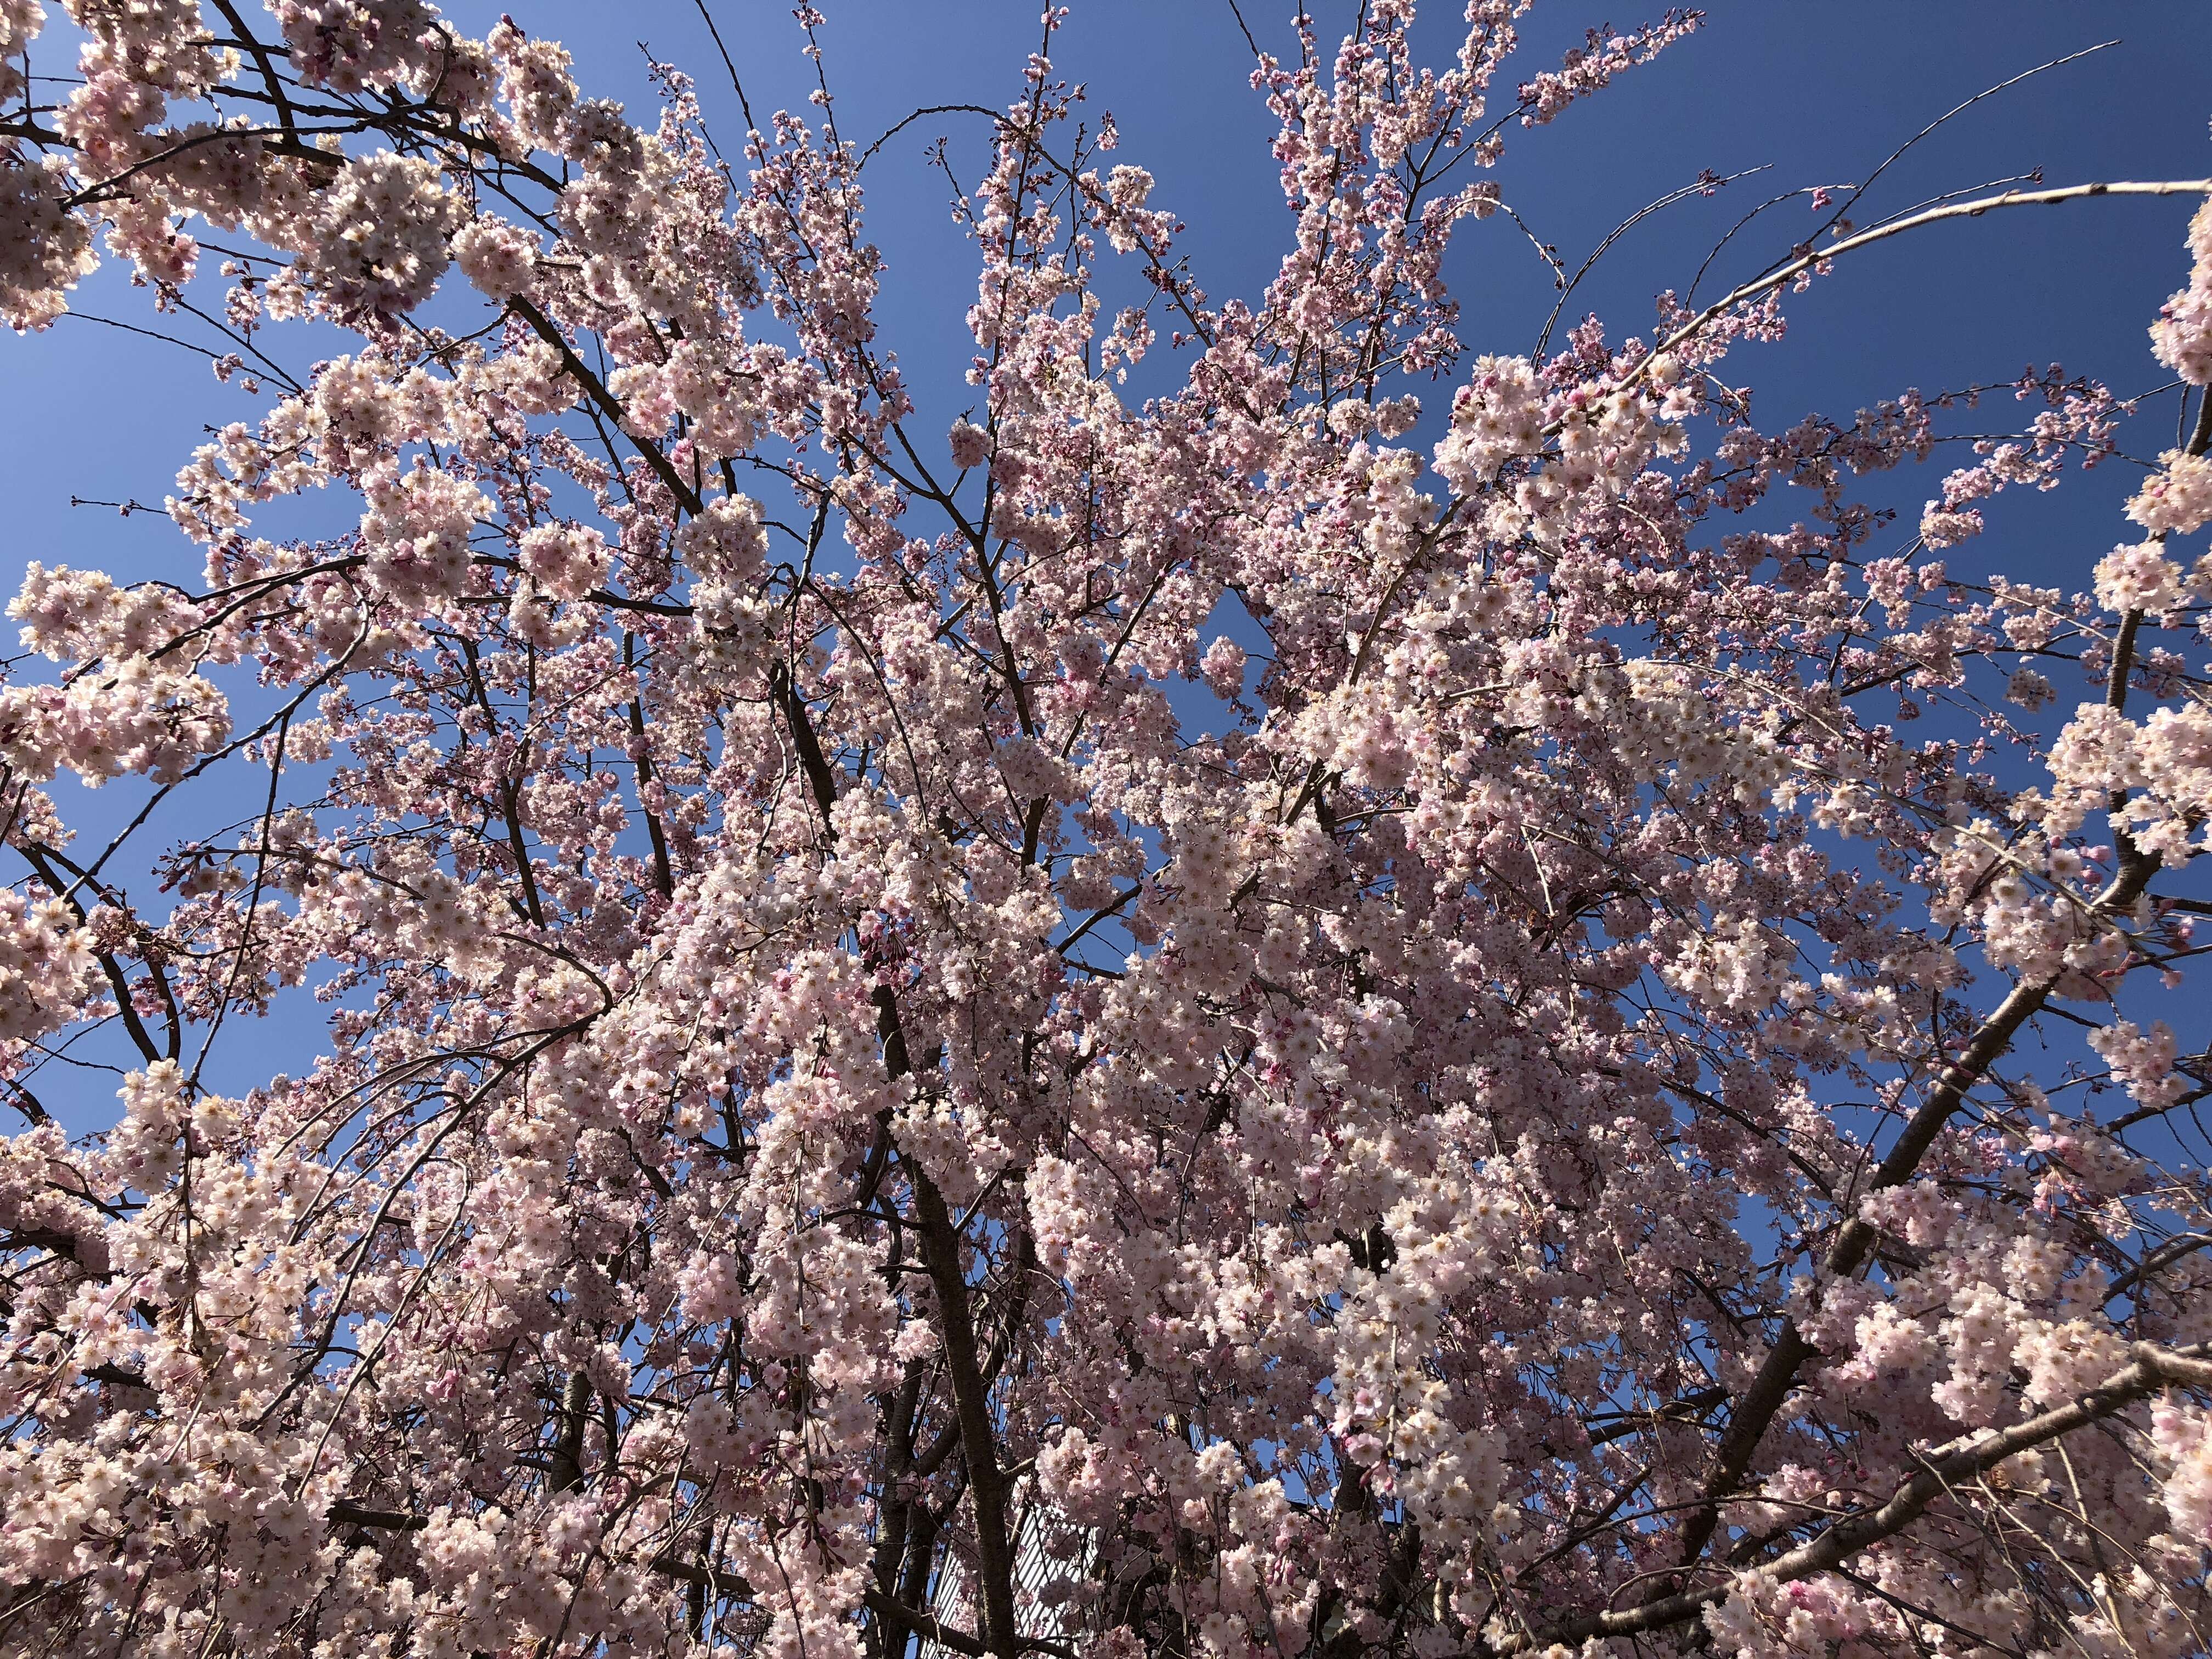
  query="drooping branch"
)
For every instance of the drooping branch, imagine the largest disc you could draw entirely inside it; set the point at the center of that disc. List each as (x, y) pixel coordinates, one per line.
(1941, 1471)
(1790, 270)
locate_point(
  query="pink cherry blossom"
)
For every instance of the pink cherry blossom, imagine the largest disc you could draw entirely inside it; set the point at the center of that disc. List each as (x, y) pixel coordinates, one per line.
(1197, 1020)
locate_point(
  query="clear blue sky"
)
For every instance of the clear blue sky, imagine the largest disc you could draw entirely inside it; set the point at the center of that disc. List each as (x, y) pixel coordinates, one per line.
(1818, 93)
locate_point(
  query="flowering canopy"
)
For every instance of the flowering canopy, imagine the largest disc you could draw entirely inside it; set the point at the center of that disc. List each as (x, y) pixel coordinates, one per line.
(874, 1048)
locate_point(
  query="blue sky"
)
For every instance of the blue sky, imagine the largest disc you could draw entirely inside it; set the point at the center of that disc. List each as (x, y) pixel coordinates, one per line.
(1816, 95)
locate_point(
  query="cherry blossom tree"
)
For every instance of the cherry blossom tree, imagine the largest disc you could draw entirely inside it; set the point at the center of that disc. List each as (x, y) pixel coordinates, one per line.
(875, 1051)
